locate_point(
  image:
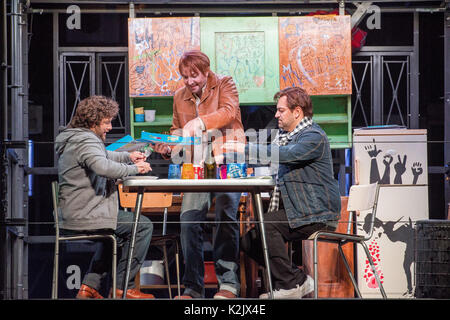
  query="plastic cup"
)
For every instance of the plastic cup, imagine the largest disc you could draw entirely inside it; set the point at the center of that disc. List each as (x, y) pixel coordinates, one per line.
(187, 172)
(174, 171)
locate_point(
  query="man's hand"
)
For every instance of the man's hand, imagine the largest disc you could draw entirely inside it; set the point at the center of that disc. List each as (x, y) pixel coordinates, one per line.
(193, 127)
(143, 167)
(137, 156)
(162, 148)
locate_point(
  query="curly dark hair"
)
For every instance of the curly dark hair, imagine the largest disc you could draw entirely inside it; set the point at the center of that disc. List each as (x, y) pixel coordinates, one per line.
(296, 96)
(92, 110)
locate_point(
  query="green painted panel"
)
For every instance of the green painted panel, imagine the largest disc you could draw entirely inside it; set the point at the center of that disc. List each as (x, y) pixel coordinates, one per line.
(163, 115)
(333, 114)
(245, 48)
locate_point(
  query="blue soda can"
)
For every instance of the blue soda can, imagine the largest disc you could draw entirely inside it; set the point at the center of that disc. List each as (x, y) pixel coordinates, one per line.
(174, 171)
(236, 170)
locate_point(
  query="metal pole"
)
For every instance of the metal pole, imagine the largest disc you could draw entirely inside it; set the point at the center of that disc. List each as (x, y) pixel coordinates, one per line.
(259, 211)
(3, 164)
(447, 104)
(17, 134)
(377, 96)
(413, 112)
(25, 152)
(56, 109)
(5, 73)
(137, 213)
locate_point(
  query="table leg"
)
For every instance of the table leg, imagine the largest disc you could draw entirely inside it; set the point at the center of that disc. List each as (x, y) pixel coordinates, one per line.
(137, 213)
(260, 213)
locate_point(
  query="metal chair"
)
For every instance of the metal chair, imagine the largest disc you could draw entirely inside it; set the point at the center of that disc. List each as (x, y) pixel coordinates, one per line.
(361, 197)
(55, 191)
(155, 201)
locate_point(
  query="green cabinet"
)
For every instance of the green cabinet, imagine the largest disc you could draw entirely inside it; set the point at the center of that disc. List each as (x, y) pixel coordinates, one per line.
(245, 48)
(163, 115)
(333, 114)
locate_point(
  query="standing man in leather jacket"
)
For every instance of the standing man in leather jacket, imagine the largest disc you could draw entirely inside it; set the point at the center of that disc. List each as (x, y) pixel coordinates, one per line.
(207, 103)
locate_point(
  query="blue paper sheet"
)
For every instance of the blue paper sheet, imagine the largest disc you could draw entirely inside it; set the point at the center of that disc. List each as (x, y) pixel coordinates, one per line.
(169, 139)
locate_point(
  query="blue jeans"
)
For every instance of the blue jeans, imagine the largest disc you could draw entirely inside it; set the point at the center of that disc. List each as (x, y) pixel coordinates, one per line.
(225, 243)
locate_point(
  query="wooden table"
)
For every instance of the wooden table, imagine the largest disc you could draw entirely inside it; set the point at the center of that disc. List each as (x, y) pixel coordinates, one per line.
(255, 186)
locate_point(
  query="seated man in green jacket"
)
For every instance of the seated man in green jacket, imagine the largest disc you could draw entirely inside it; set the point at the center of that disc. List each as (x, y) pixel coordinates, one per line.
(306, 198)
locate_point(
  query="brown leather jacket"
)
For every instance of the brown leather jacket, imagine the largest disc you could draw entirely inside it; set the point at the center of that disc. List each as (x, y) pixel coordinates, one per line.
(218, 109)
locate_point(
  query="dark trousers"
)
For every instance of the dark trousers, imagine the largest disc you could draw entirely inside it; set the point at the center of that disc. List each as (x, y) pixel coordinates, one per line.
(100, 265)
(285, 275)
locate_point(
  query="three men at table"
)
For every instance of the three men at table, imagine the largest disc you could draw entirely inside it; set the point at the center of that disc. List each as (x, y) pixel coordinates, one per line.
(306, 198)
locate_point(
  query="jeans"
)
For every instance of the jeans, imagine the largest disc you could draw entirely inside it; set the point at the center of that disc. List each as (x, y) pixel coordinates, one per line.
(284, 274)
(194, 208)
(100, 265)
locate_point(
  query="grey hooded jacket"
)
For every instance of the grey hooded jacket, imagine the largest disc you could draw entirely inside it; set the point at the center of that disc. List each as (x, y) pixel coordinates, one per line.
(86, 173)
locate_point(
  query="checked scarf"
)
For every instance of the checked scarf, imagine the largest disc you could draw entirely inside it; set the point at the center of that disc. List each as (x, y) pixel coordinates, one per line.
(283, 138)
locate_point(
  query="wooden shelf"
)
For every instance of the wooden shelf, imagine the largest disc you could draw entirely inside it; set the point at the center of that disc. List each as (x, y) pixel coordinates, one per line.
(159, 121)
(331, 118)
(339, 141)
(163, 116)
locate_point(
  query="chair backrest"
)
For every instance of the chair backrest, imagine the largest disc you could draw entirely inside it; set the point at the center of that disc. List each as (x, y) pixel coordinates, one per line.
(55, 199)
(150, 200)
(364, 197)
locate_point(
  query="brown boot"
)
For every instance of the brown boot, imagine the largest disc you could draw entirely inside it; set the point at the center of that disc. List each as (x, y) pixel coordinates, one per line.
(133, 294)
(87, 292)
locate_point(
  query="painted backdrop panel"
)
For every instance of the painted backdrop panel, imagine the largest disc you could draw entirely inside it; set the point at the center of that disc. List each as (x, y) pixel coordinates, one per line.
(315, 54)
(397, 159)
(155, 46)
(244, 48)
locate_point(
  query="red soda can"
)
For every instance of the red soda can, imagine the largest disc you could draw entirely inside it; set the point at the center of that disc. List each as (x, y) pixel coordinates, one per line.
(198, 172)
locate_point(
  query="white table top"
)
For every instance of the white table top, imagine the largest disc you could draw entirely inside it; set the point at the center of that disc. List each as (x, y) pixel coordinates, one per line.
(150, 184)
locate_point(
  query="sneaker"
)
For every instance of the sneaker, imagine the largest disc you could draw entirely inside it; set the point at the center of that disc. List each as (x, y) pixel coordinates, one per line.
(225, 294)
(307, 287)
(295, 293)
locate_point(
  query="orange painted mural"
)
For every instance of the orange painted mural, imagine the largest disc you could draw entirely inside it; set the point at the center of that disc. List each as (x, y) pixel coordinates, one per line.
(315, 54)
(155, 46)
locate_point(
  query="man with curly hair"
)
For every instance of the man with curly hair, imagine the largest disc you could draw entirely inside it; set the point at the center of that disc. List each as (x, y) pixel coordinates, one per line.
(88, 200)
